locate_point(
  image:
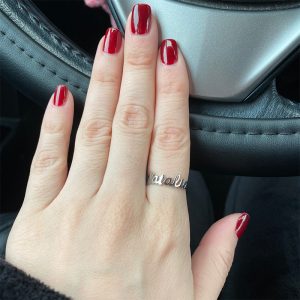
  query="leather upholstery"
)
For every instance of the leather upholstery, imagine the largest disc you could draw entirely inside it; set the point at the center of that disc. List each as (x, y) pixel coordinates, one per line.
(6, 222)
(261, 137)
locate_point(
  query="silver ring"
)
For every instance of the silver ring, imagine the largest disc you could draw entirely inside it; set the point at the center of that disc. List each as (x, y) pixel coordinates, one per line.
(176, 182)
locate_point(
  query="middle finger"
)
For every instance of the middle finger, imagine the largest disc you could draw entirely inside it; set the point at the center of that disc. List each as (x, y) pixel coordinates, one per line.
(133, 121)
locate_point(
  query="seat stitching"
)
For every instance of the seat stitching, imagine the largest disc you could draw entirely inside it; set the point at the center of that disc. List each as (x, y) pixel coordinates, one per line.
(216, 131)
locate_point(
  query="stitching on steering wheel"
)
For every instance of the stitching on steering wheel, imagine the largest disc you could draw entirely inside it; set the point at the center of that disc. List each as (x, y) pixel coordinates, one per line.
(216, 131)
(53, 72)
(52, 34)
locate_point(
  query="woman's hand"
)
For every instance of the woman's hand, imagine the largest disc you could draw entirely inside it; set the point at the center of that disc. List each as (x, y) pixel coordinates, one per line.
(99, 232)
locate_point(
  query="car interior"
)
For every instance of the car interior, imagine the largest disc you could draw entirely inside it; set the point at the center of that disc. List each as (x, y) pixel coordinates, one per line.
(244, 63)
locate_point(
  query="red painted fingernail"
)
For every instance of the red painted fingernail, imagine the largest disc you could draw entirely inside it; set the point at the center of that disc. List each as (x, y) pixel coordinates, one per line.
(169, 52)
(60, 95)
(112, 41)
(141, 19)
(242, 224)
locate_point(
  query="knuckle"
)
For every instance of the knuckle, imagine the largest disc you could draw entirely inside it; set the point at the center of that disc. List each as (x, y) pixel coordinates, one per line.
(95, 131)
(140, 57)
(173, 85)
(47, 159)
(53, 127)
(171, 138)
(39, 187)
(106, 78)
(133, 118)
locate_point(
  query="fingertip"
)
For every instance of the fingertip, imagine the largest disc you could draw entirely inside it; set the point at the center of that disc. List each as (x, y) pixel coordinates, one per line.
(234, 223)
(108, 62)
(172, 73)
(112, 42)
(60, 108)
(61, 96)
(242, 224)
(141, 20)
(141, 26)
(171, 59)
(168, 52)
(230, 228)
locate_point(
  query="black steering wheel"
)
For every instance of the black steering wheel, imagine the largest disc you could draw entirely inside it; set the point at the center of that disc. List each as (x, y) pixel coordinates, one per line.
(256, 137)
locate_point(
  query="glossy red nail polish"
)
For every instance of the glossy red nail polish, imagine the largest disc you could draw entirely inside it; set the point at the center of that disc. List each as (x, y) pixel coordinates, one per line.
(141, 19)
(60, 95)
(242, 224)
(169, 52)
(112, 41)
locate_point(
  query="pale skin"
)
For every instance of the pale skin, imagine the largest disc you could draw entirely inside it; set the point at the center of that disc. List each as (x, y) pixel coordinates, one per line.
(97, 231)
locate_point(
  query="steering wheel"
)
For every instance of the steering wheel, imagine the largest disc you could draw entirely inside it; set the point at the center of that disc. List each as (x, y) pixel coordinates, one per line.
(239, 123)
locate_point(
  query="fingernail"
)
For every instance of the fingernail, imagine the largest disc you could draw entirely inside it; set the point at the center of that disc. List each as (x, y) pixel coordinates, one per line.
(141, 19)
(242, 224)
(112, 41)
(169, 52)
(60, 95)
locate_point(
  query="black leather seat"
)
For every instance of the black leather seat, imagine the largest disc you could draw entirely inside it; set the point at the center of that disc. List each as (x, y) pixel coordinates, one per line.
(6, 222)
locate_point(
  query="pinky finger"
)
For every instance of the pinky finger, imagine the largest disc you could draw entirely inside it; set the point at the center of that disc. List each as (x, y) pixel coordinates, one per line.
(49, 166)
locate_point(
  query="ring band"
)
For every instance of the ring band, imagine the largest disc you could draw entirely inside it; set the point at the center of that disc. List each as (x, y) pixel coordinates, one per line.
(176, 182)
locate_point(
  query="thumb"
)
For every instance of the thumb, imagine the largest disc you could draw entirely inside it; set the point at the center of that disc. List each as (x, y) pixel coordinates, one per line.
(213, 258)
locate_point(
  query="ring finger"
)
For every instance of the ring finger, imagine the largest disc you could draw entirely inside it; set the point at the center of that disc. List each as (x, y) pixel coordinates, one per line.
(170, 149)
